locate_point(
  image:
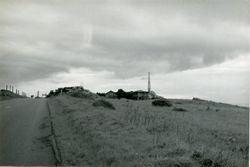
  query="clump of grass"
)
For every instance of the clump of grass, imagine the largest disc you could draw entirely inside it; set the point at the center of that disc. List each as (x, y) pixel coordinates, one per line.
(82, 94)
(206, 162)
(196, 156)
(179, 109)
(162, 103)
(103, 103)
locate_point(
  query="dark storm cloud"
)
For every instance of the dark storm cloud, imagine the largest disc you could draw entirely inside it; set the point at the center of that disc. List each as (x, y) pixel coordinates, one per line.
(38, 39)
(18, 69)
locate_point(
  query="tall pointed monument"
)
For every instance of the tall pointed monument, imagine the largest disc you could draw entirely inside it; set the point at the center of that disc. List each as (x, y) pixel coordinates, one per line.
(149, 84)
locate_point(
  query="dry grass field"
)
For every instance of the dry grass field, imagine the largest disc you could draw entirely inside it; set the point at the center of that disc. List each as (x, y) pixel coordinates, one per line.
(190, 133)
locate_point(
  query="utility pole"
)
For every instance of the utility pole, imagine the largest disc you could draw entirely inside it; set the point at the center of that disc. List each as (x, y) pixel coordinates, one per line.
(12, 89)
(149, 84)
(6, 87)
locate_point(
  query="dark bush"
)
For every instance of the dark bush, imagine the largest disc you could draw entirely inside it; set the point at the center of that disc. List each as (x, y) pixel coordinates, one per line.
(103, 103)
(207, 162)
(179, 109)
(196, 156)
(101, 94)
(216, 164)
(51, 93)
(127, 95)
(81, 94)
(162, 102)
(198, 99)
(121, 93)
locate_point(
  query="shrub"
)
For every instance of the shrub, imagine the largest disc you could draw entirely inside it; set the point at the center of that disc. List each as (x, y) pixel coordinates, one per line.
(101, 94)
(198, 99)
(121, 93)
(162, 102)
(207, 162)
(103, 103)
(81, 94)
(180, 109)
(196, 156)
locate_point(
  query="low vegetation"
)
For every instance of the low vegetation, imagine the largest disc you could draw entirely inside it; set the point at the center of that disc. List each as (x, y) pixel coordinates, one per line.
(139, 134)
(103, 103)
(162, 102)
(77, 91)
(179, 109)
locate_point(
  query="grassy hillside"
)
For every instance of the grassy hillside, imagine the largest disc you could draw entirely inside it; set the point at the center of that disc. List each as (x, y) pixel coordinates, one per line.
(136, 133)
(5, 94)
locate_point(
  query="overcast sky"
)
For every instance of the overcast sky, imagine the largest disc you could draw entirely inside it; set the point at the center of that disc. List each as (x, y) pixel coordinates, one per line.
(197, 48)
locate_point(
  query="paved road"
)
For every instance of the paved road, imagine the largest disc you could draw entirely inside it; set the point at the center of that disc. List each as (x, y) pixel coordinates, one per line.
(24, 133)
